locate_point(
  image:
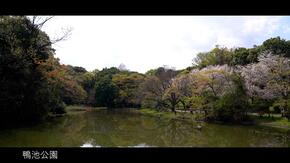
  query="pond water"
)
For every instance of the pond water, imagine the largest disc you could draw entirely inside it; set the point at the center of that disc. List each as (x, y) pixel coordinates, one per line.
(127, 128)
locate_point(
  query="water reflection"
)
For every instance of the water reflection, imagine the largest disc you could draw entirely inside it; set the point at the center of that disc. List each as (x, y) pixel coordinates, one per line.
(128, 129)
(90, 144)
(86, 145)
(141, 145)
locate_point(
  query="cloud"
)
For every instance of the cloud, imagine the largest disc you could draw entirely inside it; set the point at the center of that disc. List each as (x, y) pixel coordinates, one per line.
(257, 25)
(145, 42)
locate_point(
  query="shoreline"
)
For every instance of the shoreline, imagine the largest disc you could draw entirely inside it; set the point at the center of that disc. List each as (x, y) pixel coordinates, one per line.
(275, 123)
(188, 117)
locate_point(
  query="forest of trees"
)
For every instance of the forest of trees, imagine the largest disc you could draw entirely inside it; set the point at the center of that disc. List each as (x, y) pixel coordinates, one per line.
(224, 83)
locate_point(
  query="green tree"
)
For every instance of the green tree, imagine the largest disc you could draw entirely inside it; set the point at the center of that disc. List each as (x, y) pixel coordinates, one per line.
(217, 56)
(106, 92)
(128, 85)
(241, 57)
(25, 91)
(277, 46)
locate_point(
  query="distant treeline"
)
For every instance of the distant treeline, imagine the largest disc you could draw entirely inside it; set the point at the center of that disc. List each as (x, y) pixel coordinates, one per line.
(225, 83)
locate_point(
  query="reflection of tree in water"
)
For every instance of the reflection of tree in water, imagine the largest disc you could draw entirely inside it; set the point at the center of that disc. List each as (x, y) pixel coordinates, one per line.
(113, 128)
(265, 137)
(58, 132)
(119, 129)
(287, 138)
(71, 129)
(240, 136)
(218, 135)
(177, 133)
(101, 127)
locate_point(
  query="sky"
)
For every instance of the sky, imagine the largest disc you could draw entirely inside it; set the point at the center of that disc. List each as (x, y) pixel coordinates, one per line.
(146, 42)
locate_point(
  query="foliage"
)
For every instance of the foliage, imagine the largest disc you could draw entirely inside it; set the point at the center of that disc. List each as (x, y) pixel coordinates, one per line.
(71, 90)
(233, 105)
(179, 91)
(66, 81)
(217, 56)
(128, 85)
(268, 80)
(221, 93)
(284, 106)
(155, 86)
(26, 94)
(241, 55)
(277, 46)
(106, 92)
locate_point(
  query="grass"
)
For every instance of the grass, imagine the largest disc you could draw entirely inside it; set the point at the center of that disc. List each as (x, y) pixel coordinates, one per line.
(168, 115)
(275, 121)
(76, 109)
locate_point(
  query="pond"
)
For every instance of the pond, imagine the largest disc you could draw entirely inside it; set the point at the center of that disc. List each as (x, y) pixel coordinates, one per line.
(127, 128)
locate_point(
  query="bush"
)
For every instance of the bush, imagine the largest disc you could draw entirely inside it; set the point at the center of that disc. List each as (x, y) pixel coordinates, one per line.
(230, 107)
(59, 108)
(284, 107)
(260, 106)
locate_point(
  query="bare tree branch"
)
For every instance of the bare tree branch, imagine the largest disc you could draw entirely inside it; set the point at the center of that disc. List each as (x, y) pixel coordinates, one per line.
(44, 21)
(65, 35)
(39, 21)
(33, 19)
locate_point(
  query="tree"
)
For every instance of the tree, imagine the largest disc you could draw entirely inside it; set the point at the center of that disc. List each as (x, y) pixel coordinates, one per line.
(214, 80)
(233, 105)
(179, 92)
(26, 94)
(204, 59)
(155, 85)
(269, 79)
(217, 56)
(128, 85)
(277, 46)
(240, 57)
(152, 93)
(88, 81)
(67, 81)
(107, 72)
(222, 93)
(106, 92)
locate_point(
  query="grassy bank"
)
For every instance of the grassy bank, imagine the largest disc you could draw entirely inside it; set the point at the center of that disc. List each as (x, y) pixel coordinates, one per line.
(169, 115)
(275, 121)
(76, 109)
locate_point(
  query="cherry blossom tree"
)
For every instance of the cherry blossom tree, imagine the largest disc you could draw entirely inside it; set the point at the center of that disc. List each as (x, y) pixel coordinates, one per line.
(214, 80)
(269, 78)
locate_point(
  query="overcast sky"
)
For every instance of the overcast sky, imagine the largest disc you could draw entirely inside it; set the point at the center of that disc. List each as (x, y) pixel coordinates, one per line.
(146, 42)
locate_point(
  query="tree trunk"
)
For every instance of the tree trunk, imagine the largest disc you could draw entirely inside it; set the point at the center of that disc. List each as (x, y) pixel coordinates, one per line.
(173, 110)
(205, 114)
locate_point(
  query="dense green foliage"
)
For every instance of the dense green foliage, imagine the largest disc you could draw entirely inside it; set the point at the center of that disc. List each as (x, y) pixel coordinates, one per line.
(240, 55)
(117, 88)
(128, 88)
(106, 92)
(25, 91)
